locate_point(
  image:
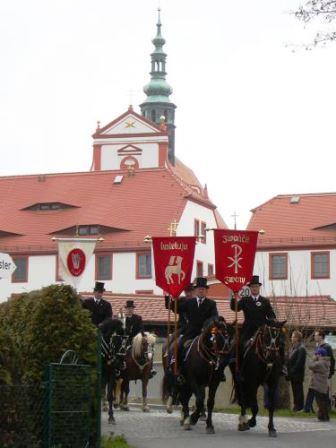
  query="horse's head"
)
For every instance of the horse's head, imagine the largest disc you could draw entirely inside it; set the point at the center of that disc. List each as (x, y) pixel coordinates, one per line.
(269, 340)
(218, 337)
(143, 346)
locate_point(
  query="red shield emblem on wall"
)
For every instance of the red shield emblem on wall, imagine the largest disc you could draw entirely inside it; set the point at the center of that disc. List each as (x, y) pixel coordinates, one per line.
(76, 261)
(235, 252)
(173, 262)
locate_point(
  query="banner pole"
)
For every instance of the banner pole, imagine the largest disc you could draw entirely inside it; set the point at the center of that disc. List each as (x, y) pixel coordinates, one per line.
(175, 336)
(237, 331)
(168, 321)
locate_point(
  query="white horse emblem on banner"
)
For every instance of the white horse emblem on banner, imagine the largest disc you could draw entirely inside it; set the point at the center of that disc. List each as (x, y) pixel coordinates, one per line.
(174, 267)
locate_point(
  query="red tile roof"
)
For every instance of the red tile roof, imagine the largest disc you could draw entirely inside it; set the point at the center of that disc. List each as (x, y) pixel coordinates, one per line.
(304, 312)
(288, 223)
(141, 205)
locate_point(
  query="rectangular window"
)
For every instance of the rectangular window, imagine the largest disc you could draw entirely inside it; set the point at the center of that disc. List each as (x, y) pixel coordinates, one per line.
(278, 266)
(199, 269)
(203, 232)
(104, 267)
(196, 228)
(320, 265)
(58, 277)
(143, 265)
(83, 230)
(210, 269)
(20, 275)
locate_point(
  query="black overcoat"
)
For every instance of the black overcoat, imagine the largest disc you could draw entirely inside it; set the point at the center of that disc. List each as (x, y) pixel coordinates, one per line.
(99, 311)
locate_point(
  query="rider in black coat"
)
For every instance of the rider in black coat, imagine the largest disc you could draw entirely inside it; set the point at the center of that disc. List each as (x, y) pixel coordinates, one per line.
(196, 310)
(133, 322)
(99, 308)
(256, 308)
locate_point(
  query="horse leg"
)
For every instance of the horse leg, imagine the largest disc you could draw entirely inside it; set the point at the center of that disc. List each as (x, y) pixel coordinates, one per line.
(110, 387)
(210, 405)
(185, 395)
(200, 397)
(145, 406)
(243, 422)
(271, 397)
(253, 420)
(124, 394)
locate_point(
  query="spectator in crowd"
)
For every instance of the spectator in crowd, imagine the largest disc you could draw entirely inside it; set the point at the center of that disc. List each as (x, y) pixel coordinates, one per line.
(320, 367)
(296, 369)
(319, 337)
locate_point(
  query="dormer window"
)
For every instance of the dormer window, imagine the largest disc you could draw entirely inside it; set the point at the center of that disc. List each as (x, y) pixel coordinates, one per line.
(88, 230)
(47, 206)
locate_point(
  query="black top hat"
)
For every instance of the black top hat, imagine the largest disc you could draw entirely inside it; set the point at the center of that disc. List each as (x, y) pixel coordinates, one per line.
(201, 282)
(99, 287)
(254, 281)
(189, 287)
(130, 304)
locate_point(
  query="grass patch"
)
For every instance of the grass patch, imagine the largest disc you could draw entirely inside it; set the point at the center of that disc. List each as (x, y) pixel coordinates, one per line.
(114, 442)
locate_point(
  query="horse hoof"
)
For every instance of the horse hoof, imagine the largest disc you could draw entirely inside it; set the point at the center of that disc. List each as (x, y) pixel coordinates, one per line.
(243, 427)
(111, 420)
(145, 409)
(124, 408)
(252, 423)
(169, 410)
(210, 430)
(115, 405)
(272, 433)
(187, 427)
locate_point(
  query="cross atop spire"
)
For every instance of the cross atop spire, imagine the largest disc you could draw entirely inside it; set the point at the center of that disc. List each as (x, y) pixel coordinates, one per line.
(158, 103)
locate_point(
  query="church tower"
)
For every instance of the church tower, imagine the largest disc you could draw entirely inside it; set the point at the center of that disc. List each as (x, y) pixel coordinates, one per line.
(157, 103)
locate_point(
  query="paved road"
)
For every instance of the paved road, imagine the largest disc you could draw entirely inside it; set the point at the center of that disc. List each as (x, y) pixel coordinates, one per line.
(160, 430)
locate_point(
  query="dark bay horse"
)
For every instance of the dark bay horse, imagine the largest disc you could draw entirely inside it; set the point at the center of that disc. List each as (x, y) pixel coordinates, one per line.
(138, 366)
(201, 369)
(113, 351)
(261, 363)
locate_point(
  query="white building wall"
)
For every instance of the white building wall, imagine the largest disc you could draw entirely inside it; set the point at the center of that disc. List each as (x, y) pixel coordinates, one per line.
(41, 272)
(110, 160)
(42, 269)
(299, 282)
(203, 252)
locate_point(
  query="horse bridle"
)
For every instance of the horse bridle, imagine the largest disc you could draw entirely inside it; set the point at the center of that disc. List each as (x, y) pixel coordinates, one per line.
(212, 356)
(265, 353)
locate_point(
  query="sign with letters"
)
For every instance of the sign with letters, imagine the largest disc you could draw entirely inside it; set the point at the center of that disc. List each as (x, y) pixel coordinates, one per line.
(234, 254)
(173, 262)
(7, 265)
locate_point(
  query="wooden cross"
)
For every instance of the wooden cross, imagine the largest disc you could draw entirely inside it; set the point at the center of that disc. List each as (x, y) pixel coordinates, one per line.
(235, 216)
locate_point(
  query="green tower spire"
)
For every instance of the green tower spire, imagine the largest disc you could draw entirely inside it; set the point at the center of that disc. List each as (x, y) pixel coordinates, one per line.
(157, 103)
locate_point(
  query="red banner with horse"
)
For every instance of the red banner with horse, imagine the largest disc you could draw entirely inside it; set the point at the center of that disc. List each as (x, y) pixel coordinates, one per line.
(234, 253)
(173, 262)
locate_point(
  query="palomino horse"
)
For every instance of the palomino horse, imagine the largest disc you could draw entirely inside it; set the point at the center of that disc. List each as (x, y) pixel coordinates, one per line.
(204, 358)
(260, 364)
(138, 366)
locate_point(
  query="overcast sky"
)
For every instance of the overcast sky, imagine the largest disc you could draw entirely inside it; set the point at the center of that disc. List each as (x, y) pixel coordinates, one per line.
(254, 119)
